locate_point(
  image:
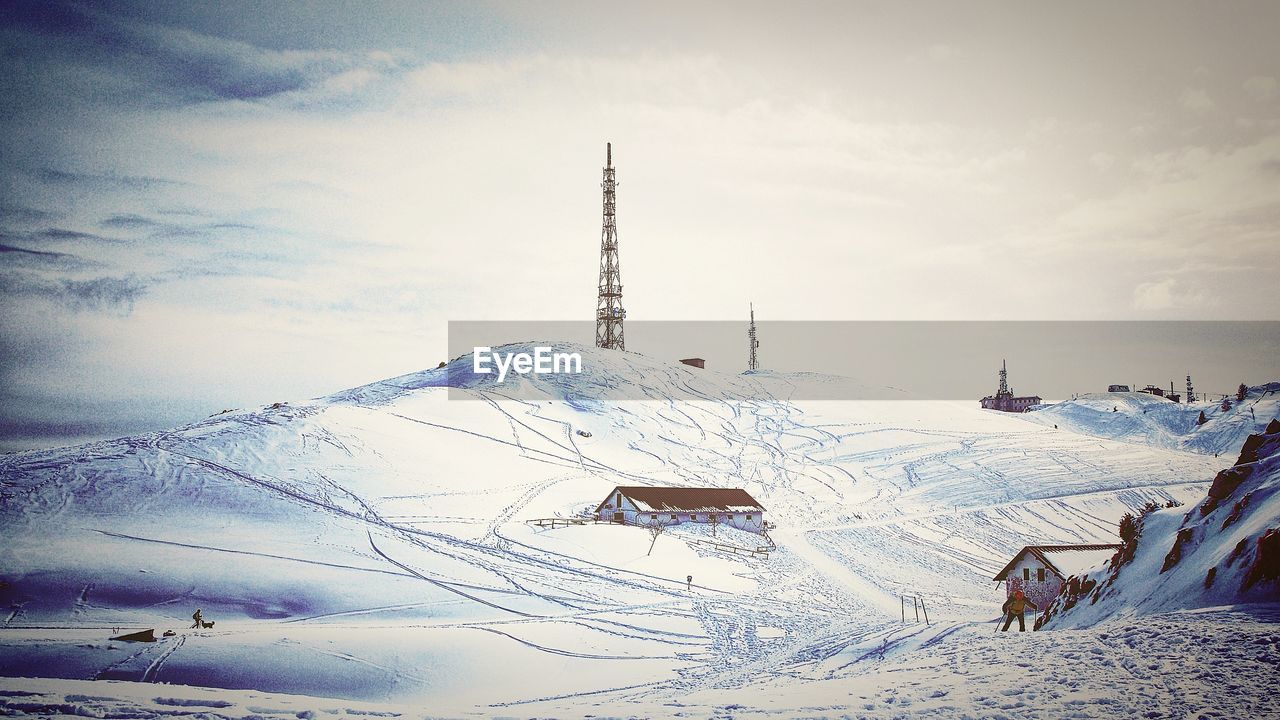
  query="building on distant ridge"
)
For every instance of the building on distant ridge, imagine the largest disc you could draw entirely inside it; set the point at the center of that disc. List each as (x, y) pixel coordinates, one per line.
(1153, 390)
(1004, 400)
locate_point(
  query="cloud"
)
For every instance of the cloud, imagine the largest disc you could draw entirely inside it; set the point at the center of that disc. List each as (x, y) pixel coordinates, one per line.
(942, 51)
(128, 222)
(36, 253)
(149, 63)
(107, 181)
(1102, 161)
(1196, 100)
(1169, 293)
(1260, 87)
(63, 234)
(42, 261)
(22, 215)
(106, 294)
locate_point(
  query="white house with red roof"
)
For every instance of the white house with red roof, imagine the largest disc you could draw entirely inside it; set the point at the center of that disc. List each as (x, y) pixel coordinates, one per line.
(638, 505)
(1039, 571)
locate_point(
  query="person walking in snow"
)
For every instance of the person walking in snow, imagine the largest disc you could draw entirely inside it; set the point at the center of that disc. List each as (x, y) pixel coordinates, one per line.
(1014, 607)
(198, 618)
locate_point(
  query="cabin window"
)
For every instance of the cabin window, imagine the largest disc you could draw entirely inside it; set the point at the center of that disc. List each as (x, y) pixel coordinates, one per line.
(1039, 574)
(1026, 574)
(729, 517)
(693, 517)
(748, 517)
(619, 499)
(653, 517)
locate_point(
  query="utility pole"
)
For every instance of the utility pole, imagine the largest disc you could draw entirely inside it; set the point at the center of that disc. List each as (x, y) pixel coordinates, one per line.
(1191, 392)
(609, 311)
(752, 342)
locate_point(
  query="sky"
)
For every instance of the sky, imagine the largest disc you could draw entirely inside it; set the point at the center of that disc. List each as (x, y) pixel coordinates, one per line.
(212, 206)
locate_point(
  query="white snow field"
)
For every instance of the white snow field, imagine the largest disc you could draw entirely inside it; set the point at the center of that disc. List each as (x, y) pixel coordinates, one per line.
(369, 552)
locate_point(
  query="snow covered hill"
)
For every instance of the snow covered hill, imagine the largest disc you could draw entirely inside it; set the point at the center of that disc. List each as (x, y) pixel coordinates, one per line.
(373, 545)
(1224, 551)
(1147, 419)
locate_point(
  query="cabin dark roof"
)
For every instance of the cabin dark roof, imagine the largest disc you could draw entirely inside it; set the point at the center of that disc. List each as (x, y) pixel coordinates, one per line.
(1065, 560)
(682, 499)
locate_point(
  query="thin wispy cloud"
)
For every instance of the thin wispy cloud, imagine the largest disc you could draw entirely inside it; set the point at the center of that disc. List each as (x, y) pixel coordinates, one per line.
(108, 294)
(33, 253)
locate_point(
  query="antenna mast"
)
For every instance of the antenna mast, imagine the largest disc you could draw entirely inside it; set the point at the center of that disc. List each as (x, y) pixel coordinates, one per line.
(609, 311)
(752, 342)
(1004, 380)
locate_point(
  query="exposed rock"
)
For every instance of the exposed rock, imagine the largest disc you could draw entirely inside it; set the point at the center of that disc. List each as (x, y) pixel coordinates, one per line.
(1175, 552)
(1236, 511)
(1235, 552)
(1249, 451)
(1266, 563)
(1224, 484)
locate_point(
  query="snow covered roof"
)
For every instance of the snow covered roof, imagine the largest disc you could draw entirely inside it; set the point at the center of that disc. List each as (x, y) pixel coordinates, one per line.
(1065, 560)
(682, 499)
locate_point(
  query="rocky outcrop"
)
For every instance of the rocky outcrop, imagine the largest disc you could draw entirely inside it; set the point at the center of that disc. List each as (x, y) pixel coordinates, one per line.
(1225, 551)
(1175, 552)
(1266, 562)
(1224, 484)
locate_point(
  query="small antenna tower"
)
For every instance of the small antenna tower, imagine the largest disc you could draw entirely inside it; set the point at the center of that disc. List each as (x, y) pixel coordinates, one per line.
(752, 343)
(609, 311)
(1004, 380)
(1191, 391)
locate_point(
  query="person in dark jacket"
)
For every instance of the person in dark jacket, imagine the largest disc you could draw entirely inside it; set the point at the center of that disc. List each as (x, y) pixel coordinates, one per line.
(198, 618)
(1014, 607)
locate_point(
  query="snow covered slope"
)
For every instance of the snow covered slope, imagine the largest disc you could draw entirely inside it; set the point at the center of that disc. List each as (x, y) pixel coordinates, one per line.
(1224, 551)
(1150, 420)
(372, 545)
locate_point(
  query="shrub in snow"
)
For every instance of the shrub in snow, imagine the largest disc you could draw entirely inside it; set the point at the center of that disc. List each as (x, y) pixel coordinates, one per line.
(1128, 528)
